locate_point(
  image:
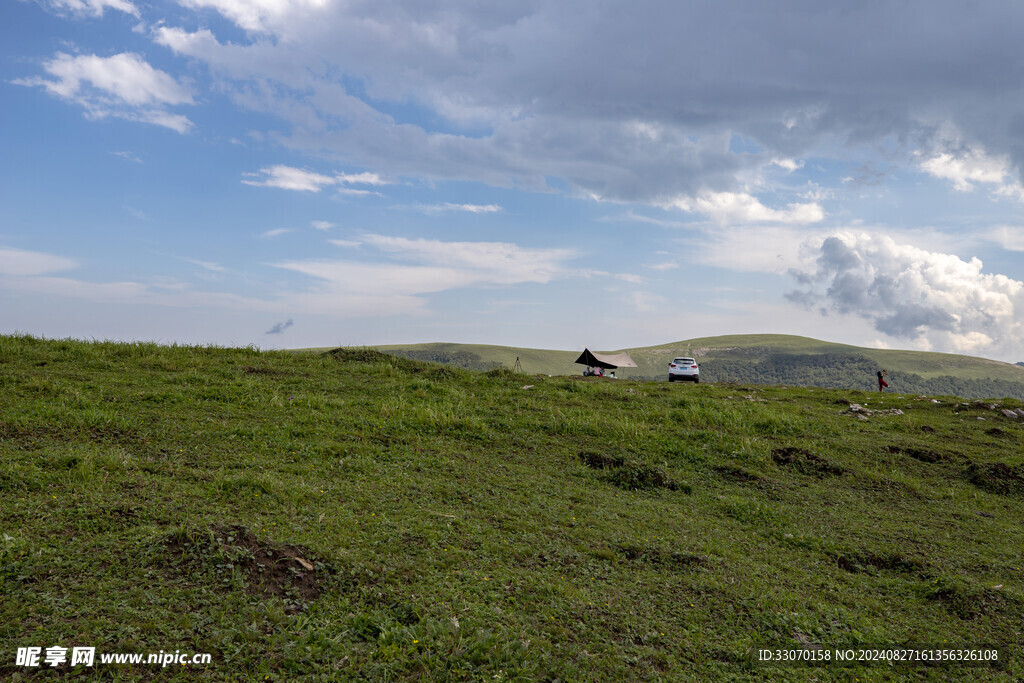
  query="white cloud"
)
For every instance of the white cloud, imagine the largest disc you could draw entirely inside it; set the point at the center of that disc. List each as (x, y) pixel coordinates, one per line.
(665, 265)
(645, 302)
(276, 232)
(323, 225)
(352, 192)
(128, 156)
(302, 180)
(208, 265)
(731, 208)
(1008, 237)
(348, 244)
(288, 178)
(469, 208)
(968, 167)
(788, 164)
(123, 86)
(494, 262)
(910, 293)
(359, 179)
(519, 93)
(93, 8)
(761, 249)
(19, 262)
(407, 269)
(256, 15)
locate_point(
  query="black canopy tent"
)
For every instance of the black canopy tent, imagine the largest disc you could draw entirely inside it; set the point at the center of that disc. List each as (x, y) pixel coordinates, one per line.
(608, 361)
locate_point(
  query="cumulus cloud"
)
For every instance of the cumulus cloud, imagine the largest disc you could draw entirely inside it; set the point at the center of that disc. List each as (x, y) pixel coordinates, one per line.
(967, 168)
(936, 299)
(122, 86)
(525, 91)
(323, 225)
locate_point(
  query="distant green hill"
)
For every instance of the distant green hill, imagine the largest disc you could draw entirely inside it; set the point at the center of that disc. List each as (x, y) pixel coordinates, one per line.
(760, 359)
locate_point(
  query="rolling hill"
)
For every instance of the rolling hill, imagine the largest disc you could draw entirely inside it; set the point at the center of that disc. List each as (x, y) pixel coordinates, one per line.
(760, 359)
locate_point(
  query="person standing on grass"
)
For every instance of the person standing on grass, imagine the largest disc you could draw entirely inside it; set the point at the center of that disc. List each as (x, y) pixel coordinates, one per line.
(882, 374)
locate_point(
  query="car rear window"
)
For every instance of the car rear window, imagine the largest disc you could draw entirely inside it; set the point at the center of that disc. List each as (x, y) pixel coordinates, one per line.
(684, 361)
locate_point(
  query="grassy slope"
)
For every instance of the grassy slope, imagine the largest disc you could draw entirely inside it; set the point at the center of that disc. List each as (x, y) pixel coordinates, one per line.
(462, 527)
(653, 360)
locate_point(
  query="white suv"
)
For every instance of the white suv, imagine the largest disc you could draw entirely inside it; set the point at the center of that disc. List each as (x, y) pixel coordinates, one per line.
(683, 369)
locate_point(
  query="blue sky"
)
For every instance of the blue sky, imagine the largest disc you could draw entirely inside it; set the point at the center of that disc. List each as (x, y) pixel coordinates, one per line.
(292, 173)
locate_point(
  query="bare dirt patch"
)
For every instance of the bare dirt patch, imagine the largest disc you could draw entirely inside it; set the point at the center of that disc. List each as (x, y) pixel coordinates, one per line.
(226, 552)
(805, 462)
(737, 474)
(922, 454)
(601, 461)
(664, 558)
(869, 561)
(997, 477)
(631, 476)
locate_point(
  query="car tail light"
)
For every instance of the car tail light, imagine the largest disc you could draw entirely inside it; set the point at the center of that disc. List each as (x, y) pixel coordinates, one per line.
(694, 367)
(671, 365)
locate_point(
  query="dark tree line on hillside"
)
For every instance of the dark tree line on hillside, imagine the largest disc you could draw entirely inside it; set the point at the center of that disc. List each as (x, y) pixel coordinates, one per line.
(846, 371)
(460, 359)
(842, 371)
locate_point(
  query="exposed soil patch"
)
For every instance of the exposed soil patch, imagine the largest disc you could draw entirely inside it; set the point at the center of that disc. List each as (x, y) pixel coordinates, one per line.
(738, 474)
(997, 478)
(663, 558)
(867, 562)
(600, 461)
(627, 475)
(643, 478)
(969, 602)
(289, 572)
(33, 437)
(922, 454)
(253, 370)
(805, 462)
(929, 430)
(995, 431)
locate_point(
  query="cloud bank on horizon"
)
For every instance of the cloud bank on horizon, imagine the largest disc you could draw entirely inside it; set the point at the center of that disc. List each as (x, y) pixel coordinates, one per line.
(535, 173)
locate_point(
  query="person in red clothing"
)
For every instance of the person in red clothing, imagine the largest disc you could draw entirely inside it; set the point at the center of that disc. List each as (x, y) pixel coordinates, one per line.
(882, 374)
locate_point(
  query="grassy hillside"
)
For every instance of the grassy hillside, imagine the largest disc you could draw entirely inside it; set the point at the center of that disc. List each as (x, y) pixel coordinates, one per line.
(359, 516)
(762, 359)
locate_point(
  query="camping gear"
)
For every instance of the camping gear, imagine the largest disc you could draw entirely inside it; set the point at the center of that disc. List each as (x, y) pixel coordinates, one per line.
(608, 361)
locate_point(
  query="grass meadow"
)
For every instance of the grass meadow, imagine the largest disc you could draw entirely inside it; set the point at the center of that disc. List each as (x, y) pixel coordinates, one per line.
(358, 516)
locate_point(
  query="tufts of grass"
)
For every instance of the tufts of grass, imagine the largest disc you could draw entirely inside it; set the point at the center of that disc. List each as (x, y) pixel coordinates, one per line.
(460, 525)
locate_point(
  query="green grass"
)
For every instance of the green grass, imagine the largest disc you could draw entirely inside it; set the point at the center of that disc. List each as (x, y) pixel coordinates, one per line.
(358, 516)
